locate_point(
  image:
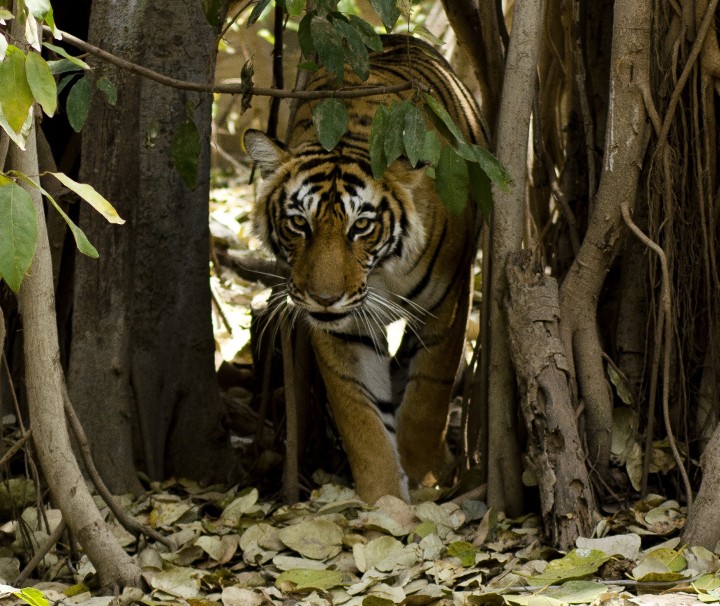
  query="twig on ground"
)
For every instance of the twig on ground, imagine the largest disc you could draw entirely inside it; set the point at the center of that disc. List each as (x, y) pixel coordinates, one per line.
(40, 554)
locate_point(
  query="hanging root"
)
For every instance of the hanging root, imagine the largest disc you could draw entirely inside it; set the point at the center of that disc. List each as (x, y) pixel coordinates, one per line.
(667, 338)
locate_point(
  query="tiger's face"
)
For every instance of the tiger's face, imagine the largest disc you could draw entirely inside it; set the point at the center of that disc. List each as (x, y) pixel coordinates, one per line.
(325, 215)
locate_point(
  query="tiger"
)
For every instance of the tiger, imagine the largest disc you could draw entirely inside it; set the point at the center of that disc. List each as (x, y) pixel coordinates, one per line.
(363, 253)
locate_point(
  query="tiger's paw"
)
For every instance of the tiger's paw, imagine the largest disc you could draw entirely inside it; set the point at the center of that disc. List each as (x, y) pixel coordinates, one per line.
(371, 486)
(428, 467)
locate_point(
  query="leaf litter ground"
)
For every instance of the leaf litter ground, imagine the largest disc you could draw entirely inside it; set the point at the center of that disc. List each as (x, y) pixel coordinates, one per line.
(231, 548)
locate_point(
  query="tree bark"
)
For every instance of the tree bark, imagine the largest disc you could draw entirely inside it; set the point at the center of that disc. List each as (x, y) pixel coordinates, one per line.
(556, 453)
(475, 24)
(141, 367)
(45, 387)
(504, 475)
(626, 141)
(703, 522)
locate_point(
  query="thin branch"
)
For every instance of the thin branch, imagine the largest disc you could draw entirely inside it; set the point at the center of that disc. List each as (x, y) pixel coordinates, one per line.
(4, 146)
(122, 516)
(278, 77)
(291, 478)
(235, 17)
(40, 554)
(707, 21)
(16, 447)
(588, 123)
(352, 92)
(255, 269)
(668, 342)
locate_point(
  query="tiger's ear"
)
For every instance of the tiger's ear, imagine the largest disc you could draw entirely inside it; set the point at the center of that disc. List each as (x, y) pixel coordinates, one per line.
(266, 152)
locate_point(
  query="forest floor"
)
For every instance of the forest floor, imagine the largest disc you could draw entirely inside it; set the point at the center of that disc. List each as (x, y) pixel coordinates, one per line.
(231, 548)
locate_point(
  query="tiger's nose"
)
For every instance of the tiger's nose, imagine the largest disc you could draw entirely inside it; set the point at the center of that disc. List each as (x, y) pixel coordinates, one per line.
(325, 299)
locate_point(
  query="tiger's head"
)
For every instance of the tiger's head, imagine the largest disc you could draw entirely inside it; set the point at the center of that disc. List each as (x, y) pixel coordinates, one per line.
(333, 223)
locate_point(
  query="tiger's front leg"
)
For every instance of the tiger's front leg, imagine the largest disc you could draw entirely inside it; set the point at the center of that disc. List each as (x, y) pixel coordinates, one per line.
(423, 415)
(357, 380)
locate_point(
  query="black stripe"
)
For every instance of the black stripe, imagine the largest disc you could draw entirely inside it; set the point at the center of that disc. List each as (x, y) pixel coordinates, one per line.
(459, 268)
(356, 339)
(420, 286)
(386, 407)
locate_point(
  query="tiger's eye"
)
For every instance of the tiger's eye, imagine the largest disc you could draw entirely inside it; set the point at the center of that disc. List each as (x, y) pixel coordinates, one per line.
(361, 224)
(298, 221)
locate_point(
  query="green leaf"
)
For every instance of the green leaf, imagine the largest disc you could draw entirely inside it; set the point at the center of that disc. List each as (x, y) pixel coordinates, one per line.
(214, 11)
(430, 151)
(577, 592)
(325, 7)
(77, 104)
(257, 11)
(452, 181)
(442, 120)
(38, 8)
(367, 33)
(107, 87)
(376, 142)
(307, 45)
(356, 53)
(414, 133)
(310, 66)
(19, 138)
(302, 578)
(63, 53)
(464, 551)
(91, 196)
(394, 131)
(575, 565)
(329, 47)
(492, 167)
(50, 20)
(331, 121)
(16, 98)
(41, 82)
(81, 240)
(420, 31)
(64, 81)
(32, 596)
(62, 66)
(480, 190)
(294, 7)
(186, 152)
(388, 12)
(18, 234)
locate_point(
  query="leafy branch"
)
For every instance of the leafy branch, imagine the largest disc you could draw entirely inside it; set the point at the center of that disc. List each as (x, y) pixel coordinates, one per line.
(351, 92)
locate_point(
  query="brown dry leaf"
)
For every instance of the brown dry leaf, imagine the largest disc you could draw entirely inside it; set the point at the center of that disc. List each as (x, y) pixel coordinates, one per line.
(314, 539)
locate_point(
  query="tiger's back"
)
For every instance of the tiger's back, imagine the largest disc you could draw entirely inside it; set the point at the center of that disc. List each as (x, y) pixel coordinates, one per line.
(403, 59)
(366, 252)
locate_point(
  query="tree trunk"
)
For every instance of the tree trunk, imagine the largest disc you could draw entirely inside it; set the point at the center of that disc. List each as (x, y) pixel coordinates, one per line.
(703, 523)
(504, 475)
(44, 382)
(626, 140)
(141, 366)
(554, 445)
(475, 24)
